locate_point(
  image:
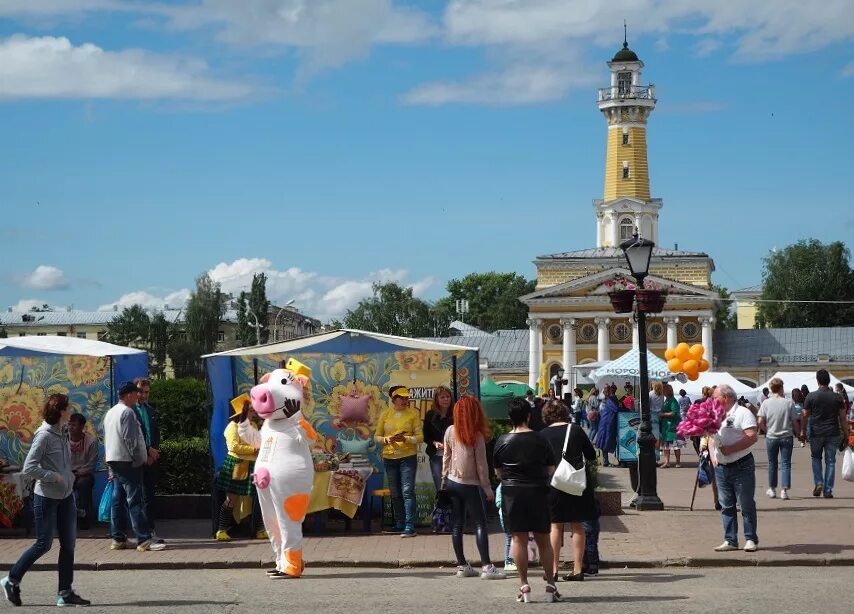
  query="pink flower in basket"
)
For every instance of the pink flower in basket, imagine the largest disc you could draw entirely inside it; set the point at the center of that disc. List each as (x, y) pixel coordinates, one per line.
(702, 419)
(619, 283)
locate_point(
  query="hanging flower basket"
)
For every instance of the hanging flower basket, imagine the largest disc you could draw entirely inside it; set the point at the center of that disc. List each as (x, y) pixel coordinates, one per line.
(651, 301)
(622, 300)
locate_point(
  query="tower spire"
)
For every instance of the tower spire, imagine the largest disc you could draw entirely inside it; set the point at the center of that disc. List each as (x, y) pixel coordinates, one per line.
(625, 35)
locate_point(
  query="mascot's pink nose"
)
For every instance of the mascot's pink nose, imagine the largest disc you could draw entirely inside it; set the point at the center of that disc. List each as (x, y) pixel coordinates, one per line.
(262, 400)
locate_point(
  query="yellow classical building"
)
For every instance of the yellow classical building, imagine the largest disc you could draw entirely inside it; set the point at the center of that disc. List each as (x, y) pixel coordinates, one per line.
(571, 320)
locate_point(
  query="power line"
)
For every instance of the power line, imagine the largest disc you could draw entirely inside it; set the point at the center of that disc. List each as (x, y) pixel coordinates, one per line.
(783, 300)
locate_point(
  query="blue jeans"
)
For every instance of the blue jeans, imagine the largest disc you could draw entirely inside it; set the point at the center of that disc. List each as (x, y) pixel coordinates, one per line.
(782, 447)
(828, 445)
(436, 470)
(49, 514)
(128, 495)
(737, 485)
(401, 482)
(594, 429)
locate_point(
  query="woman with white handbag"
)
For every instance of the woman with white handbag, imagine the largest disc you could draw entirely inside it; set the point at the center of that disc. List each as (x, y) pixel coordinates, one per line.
(571, 496)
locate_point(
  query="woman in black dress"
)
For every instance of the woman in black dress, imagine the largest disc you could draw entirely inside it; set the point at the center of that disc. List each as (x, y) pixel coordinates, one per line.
(524, 461)
(565, 508)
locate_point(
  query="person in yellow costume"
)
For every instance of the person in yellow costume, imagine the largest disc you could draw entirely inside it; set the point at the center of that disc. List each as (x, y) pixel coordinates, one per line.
(234, 477)
(400, 431)
(284, 470)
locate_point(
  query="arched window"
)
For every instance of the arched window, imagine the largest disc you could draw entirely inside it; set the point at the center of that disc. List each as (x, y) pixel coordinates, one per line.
(627, 228)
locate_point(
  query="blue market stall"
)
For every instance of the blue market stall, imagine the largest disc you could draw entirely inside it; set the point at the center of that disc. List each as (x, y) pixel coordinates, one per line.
(88, 371)
(352, 371)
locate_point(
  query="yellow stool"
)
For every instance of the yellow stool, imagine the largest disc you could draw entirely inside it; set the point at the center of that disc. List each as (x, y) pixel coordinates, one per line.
(382, 493)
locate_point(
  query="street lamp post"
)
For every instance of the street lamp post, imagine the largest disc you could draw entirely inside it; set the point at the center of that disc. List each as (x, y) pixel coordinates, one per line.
(638, 253)
(256, 326)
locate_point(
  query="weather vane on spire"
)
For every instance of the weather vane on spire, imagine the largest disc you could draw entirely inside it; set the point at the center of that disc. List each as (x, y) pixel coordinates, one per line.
(625, 35)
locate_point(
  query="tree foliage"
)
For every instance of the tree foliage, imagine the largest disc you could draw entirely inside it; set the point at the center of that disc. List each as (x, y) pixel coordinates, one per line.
(203, 315)
(493, 300)
(807, 271)
(725, 314)
(186, 358)
(161, 332)
(130, 327)
(245, 333)
(394, 310)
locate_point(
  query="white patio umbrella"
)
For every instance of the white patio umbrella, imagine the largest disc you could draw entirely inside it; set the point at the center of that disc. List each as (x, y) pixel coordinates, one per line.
(628, 366)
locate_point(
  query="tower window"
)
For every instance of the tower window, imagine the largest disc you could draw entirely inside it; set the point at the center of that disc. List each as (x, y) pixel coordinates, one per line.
(627, 228)
(625, 138)
(624, 83)
(625, 170)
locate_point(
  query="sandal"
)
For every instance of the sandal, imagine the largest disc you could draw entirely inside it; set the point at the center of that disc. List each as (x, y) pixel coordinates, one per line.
(551, 593)
(524, 595)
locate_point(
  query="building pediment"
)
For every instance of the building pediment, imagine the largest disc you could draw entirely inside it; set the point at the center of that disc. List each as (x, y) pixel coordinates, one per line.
(594, 286)
(627, 204)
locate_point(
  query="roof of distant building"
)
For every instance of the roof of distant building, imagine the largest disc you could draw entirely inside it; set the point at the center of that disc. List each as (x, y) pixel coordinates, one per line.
(81, 318)
(616, 252)
(788, 346)
(502, 349)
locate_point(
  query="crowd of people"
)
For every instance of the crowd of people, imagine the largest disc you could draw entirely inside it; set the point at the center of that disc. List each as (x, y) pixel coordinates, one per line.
(534, 514)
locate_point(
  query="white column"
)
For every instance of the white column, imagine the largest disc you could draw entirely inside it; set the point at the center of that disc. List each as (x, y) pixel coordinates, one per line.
(615, 228)
(603, 340)
(535, 350)
(569, 357)
(707, 323)
(672, 338)
(635, 337)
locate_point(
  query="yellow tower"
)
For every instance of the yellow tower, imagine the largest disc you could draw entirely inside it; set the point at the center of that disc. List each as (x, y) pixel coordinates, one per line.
(626, 206)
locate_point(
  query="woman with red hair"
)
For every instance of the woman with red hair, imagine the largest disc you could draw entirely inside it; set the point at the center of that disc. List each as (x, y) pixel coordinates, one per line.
(464, 473)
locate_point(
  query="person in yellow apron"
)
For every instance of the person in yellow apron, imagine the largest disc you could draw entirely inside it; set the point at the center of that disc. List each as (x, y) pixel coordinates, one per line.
(235, 475)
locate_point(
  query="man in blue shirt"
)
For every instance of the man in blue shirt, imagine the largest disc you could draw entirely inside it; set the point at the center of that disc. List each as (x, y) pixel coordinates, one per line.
(151, 432)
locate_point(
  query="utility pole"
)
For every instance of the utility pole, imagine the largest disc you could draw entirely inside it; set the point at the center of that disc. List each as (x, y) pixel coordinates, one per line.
(462, 307)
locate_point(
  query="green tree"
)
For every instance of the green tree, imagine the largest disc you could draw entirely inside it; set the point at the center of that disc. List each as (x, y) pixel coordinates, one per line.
(245, 333)
(203, 314)
(725, 314)
(807, 271)
(394, 310)
(493, 300)
(130, 327)
(160, 334)
(260, 306)
(3, 334)
(186, 358)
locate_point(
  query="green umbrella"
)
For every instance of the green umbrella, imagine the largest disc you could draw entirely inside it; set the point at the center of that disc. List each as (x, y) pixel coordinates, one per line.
(519, 390)
(494, 398)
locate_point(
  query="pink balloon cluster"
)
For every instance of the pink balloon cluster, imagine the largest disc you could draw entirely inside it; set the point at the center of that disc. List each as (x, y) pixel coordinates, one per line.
(702, 419)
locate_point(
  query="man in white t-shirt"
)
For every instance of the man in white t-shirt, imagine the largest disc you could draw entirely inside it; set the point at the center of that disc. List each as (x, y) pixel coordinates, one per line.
(735, 470)
(557, 383)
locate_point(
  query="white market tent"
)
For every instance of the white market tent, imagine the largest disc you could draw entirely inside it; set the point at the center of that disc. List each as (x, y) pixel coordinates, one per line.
(628, 365)
(716, 378)
(71, 346)
(796, 379)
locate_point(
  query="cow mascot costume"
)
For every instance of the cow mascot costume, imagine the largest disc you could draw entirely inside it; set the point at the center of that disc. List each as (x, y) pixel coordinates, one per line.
(284, 471)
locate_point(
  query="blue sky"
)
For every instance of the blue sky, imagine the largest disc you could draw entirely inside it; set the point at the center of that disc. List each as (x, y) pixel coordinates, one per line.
(332, 143)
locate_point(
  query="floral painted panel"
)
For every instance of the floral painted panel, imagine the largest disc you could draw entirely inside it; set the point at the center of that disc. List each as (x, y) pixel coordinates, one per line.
(25, 383)
(333, 376)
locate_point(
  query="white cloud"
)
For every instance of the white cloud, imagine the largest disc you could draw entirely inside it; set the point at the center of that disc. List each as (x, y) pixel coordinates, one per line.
(848, 71)
(324, 32)
(53, 67)
(45, 277)
(27, 304)
(149, 301)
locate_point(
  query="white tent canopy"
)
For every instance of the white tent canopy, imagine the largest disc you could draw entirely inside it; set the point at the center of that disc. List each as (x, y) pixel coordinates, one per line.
(796, 379)
(628, 365)
(72, 346)
(716, 378)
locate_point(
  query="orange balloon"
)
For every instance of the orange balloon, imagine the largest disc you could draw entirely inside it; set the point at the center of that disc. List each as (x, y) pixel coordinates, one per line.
(704, 365)
(693, 376)
(669, 353)
(683, 351)
(697, 351)
(675, 365)
(691, 366)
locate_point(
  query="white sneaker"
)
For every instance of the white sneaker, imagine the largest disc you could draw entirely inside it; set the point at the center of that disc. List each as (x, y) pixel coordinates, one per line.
(466, 571)
(750, 546)
(727, 547)
(784, 494)
(491, 572)
(772, 494)
(510, 566)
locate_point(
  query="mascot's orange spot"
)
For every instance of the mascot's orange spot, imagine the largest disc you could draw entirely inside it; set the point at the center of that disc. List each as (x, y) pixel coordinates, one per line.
(309, 430)
(293, 562)
(296, 507)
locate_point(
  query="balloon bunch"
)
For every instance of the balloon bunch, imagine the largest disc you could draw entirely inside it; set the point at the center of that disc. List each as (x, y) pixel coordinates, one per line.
(687, 359)
(702, 419)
